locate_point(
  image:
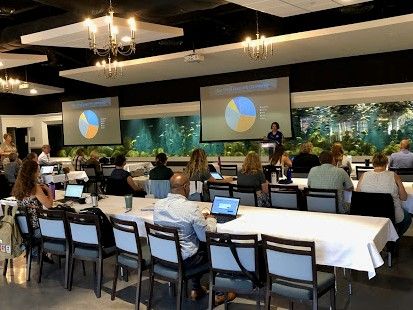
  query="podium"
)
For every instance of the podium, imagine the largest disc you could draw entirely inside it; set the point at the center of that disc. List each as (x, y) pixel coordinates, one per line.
(268, 145)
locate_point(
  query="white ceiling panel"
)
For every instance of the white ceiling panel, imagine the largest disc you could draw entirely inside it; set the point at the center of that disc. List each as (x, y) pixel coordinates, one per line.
(8, 60)
(75, 35)
(35, 89)
(377, 36)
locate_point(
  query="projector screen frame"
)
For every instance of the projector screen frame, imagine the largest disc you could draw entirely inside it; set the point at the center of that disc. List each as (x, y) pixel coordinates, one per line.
(94, 144)
(244, 81)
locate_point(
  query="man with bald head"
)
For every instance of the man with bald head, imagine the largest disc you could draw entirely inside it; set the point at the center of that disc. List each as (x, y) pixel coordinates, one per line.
(178, 212)
(402, 159)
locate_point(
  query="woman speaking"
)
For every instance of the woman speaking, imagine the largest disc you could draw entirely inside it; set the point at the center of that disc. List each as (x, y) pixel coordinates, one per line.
(275, 135)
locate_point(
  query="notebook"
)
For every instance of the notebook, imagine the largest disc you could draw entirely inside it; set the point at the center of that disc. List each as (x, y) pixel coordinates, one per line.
(225, 209)
(73, 193)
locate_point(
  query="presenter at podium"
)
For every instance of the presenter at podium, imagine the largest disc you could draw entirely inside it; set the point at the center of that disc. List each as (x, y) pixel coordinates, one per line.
(275, 135)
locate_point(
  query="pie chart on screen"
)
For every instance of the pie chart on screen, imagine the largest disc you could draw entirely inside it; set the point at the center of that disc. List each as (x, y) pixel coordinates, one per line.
(240, 114)
(88, 124)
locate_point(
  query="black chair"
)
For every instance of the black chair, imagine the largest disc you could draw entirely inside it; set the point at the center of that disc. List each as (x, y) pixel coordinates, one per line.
(300, 172)
(226, 272)
(167, 262)
(406, 174)
(269, 169)
(292, 272)
(106, 173)
(118, 187)
(130, 254)
(219, 189)
(55, 238)
(360, 170)
(376, 205)
(86, 245)
(246, 194)
(4, 186)
(321, 200)
(229, 170)
(284, 197)
(92, 174)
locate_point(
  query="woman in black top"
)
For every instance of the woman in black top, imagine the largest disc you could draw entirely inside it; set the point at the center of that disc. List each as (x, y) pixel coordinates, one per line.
(305, 160)
(275, 135)
(161, 171)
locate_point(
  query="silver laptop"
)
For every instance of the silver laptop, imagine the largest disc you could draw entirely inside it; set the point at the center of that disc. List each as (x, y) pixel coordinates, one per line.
(73, 193)
(46, 170)
(225, 209)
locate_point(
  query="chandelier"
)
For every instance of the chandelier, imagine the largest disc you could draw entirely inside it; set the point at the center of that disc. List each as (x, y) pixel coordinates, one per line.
(111, 69)
(7, 84)
(113, 46)
(260, 48)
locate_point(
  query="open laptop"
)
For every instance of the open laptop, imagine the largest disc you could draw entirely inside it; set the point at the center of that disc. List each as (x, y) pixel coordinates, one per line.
(217, 176)
(225, 209)
(73, 193)
(46, 170)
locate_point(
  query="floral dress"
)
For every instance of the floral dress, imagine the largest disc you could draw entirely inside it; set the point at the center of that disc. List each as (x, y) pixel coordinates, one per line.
(31, 203)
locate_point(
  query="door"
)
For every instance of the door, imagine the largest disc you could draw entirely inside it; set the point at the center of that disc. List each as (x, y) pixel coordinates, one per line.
(22, 142)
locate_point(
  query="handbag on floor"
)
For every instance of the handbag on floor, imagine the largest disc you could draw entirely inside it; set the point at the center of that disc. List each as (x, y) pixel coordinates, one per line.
(10, 237)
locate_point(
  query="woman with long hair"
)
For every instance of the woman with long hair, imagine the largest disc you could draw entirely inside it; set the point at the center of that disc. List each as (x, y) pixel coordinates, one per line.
(251, 175)
(340, 160)
(29, 193)
(280, 158)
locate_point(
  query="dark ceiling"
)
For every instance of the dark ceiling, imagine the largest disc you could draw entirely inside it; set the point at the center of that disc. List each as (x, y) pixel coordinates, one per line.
(205, 23)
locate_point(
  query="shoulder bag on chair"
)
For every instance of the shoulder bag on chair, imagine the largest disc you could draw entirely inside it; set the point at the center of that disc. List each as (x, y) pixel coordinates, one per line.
(10, 238)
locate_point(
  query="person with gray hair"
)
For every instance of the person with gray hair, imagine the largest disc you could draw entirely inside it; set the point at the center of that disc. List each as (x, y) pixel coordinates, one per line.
(44, 157)
(403, 158)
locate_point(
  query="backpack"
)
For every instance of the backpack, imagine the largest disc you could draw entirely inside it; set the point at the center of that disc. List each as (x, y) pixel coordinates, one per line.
(10, 237)
(108, 239)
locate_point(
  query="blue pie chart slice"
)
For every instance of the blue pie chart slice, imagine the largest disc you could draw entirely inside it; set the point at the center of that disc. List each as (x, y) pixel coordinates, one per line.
(240, 114)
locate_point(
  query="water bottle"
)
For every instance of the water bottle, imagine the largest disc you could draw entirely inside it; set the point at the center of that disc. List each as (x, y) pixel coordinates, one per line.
(289, 173)
(274, 178)
(52, 189)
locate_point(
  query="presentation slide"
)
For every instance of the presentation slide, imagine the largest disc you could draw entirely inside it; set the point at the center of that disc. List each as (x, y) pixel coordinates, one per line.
(91, 122)
(245, 111)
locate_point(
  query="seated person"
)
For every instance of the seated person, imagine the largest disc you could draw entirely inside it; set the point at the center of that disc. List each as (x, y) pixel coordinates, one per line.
(251, 175)
(94, 161)
(120, 182)
(177, 211)
(31, 156)
(161, 171)
(305, 160)
(341, 160)
(327, 176)
(404, 158)
(11, 169)
(44, 157)
(380, 180)
(280, 158)
(79, 159)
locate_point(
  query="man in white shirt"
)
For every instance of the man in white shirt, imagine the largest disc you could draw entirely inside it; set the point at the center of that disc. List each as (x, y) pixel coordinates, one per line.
(178, 212)
(44, 157)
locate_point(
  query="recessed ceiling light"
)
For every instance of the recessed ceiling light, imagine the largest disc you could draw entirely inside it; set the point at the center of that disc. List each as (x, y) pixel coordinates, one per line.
(33, 91)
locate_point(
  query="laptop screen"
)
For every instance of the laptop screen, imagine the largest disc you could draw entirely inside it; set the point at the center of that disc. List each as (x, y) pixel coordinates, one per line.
(217, 176)
(225, 205)
(74, 191)
(46, 169)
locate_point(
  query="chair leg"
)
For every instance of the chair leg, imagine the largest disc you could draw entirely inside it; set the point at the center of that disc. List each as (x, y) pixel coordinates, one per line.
(28, 263)
(211, 295)
(67, 257)
(138, 289)
(83, 267)
(115, 280)
(333, 299)
(39, 279)
(71, 268)
(179, 285)
(151, 284)
(186, 288)
(268, 298)
(315, 304)
(291, 307)
(258, 299)
(99, 277)
(6, 261)
(59, 260)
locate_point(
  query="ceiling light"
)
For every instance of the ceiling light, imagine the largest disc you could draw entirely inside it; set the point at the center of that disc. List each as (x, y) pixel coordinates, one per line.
(33, 91)
(111, 69)
(260, 48)
(126, 39)
(8, 85)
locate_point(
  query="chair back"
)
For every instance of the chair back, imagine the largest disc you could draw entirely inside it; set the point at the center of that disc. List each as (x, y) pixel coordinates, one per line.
(84, 229)
(107, 170)
(372, 204)
(229, 170)
(52, 225)
(159, 188)
(23, 223)
(284, 197)
(290, 262)
(300, 172)
(196, 189)
(406, 174)
(321, 200)
(164, 244)
(269, 169)
(221, 258)
(90, 171)
(118, 187)
(126, 237)
(247, 195)
(219, 189)
(360, 170)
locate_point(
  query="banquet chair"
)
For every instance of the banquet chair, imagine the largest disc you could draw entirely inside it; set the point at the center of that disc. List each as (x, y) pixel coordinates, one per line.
(229, 170)
(86, 245)
(167, 262)
(376, 205)
(321, 200)
(92, 175)
(291, 272)
(269, 169)
(360, 170)
(219, 189)
(225, 272)
(406, 174)
(284, 197)
(196, 189)
(55, 238)
(300, 172)
(130, 253)
(246, 194)
(106, 173)
(159, 188)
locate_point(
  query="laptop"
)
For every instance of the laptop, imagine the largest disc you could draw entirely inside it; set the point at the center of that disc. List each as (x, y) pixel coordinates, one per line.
(225, 209)
(46, 169)
(73, 193)
(217, 176)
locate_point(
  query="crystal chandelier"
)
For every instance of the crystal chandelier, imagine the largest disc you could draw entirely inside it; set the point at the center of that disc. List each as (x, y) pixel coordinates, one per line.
(260, 48)
(7, 84)
(113, 46)
(111, 69)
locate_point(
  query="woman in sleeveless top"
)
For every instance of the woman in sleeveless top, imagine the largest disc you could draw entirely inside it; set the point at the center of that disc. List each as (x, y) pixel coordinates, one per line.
(280, 158)
(382, 181)
(29, 193)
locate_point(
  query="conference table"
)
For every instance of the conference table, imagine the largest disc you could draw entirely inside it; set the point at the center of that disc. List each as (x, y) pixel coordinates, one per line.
(61, 178)
(346, 241)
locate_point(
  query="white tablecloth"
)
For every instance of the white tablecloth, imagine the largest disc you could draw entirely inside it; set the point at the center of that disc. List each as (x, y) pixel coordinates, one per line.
(60, 178)
(139, 165)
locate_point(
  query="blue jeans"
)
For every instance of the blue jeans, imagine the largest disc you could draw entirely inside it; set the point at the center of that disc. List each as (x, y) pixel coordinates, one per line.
(404, 225)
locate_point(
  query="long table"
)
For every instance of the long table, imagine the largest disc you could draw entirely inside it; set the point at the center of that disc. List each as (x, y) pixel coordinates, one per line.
(346, 241)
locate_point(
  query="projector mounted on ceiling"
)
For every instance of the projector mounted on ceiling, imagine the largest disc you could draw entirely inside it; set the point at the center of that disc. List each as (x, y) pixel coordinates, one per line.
(194, 57)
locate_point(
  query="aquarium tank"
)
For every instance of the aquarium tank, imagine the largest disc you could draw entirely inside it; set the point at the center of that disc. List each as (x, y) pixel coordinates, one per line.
(363, 129)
